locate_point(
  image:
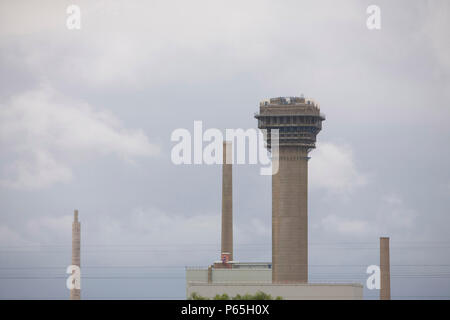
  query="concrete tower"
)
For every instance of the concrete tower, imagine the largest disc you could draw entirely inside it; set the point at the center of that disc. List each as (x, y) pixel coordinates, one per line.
(75, 294)
(385, 269)
(227, 203)
(299, 121)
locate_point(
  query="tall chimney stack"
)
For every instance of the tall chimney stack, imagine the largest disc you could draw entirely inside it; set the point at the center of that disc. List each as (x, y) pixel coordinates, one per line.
(227, 203)
(385, 269)
(75, 294)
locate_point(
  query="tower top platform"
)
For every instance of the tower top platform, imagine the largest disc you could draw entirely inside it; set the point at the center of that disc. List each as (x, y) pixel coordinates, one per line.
(298, 120)
(289, 101)
(289, 106)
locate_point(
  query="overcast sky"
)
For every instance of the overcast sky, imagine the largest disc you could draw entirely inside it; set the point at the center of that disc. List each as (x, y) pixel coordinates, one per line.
(86, 117)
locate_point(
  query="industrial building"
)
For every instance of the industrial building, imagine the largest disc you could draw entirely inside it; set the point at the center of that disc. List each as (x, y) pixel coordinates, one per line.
(298, 120)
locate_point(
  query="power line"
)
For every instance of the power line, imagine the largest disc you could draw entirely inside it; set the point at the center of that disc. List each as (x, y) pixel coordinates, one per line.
(334, 276)
(334, 243)
(184, 266)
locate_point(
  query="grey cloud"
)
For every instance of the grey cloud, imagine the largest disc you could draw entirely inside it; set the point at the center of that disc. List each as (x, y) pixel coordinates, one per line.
(139, 71)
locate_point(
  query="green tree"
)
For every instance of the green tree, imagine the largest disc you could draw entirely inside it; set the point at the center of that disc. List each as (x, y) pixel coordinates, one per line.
(222, 297)
(195, 296)
(257, 296)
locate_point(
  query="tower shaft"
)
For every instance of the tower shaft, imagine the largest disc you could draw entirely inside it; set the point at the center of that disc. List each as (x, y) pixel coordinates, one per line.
(290, 216)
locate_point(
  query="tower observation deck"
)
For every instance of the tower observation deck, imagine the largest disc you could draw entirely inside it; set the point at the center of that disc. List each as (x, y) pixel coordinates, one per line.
(298, 120)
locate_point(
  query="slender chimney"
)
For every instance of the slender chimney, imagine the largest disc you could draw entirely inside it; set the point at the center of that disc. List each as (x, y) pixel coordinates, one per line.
(227, 203)
(210, 274)
(75, 294)
(385, 290)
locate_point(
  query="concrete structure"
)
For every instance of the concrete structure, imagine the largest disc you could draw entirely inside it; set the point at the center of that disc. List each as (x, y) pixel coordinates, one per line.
(298, 291)
(299, 121)
(75, 294)
(237, 273)
(385, 269)
(250, 277)
(227, 204)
